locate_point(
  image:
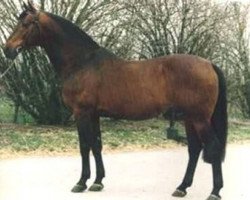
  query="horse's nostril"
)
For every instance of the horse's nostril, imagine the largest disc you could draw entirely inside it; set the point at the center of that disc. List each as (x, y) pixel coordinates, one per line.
(10, 53)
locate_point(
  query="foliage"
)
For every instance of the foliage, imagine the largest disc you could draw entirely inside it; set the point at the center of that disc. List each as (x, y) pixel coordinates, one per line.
(33, 86)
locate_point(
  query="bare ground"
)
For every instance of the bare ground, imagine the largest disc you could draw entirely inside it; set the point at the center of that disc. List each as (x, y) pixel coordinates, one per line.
(129, 176)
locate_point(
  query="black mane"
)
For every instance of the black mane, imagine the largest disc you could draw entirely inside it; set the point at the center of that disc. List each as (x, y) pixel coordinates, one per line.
(79, 37)
(74, 33)
(23, 15)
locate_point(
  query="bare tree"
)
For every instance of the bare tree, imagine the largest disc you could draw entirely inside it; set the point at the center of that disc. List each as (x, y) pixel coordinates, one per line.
(164, 27)
(235, 57)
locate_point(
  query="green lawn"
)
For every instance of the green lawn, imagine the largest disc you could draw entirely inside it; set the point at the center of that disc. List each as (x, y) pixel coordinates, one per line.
(117, 135)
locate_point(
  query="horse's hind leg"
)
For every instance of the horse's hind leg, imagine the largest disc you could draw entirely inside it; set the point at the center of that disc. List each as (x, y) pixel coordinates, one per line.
(194, 149)
(217, 180)
(212, 154)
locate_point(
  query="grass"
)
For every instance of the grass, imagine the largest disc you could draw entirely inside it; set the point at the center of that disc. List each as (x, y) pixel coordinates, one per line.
(117, 135)
(24, 139)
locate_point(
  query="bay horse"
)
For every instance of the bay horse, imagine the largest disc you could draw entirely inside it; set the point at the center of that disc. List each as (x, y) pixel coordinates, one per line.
(97, 83)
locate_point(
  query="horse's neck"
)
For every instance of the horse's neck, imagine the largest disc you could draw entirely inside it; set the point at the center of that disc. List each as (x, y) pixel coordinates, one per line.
(70, 59)
(68, 48)
(67, 59)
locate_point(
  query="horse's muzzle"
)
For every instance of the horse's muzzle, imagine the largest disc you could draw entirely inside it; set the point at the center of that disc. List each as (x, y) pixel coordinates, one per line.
(12, 53)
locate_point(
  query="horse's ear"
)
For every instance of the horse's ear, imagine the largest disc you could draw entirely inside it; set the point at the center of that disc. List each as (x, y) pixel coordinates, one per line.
(31, 6)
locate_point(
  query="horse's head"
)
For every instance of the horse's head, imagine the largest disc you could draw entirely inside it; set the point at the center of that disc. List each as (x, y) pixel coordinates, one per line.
(26, 33)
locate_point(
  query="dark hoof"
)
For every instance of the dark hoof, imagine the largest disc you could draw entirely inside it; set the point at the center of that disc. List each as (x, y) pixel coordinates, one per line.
(96, 187)
(214, 197)
(179, 193)
(78, 188)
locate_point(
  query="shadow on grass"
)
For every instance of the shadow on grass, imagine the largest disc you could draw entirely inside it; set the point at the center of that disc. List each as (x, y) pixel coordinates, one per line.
(172, 134)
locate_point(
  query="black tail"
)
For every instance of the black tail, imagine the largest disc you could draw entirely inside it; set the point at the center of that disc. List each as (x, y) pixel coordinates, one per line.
(219, 118)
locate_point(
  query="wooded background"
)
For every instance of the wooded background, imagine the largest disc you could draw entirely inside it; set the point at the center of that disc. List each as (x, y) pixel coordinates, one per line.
(132, 29)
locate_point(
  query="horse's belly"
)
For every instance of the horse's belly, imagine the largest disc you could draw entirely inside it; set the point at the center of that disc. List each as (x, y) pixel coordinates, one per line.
(133, 110)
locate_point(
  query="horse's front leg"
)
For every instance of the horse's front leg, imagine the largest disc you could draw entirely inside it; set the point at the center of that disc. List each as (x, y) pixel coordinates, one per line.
(96, 147)
(83, 131)
(90, 138)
